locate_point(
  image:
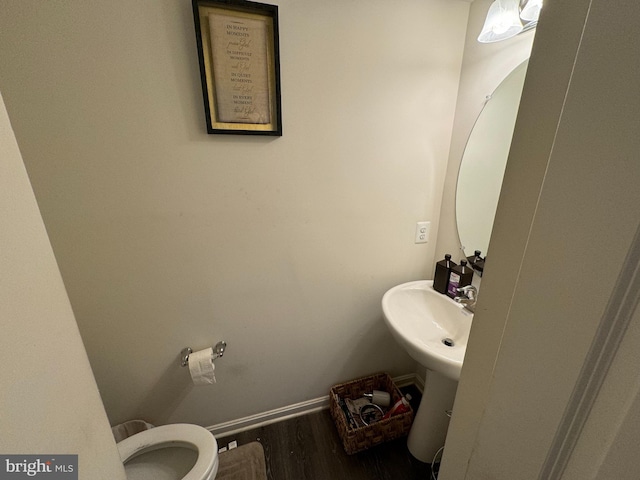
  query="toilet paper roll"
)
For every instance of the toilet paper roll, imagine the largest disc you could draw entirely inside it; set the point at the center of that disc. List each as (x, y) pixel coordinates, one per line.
(201, 367)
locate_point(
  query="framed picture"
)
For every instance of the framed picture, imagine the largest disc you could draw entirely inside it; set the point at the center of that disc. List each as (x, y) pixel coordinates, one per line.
(239, 56)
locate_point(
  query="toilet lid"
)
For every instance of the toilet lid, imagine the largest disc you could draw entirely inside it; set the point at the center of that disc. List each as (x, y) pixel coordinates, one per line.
(193, 437)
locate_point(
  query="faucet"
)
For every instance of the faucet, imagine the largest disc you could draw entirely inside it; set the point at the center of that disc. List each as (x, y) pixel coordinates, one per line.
(467, 297)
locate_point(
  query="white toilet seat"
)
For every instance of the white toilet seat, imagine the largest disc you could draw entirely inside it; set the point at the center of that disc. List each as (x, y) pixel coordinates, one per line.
(185, 435)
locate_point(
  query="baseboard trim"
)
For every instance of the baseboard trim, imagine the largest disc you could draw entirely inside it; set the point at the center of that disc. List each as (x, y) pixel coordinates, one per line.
(266, 418)
(232, 427)
(410, 379)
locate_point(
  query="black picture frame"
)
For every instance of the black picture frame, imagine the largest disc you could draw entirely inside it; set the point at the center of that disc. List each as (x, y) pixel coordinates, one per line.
(239, 57)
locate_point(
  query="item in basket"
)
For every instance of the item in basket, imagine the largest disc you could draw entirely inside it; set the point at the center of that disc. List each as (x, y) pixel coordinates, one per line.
(401, 406)
(347, 413)
(370, 413)
(379, 397)
(354, 407)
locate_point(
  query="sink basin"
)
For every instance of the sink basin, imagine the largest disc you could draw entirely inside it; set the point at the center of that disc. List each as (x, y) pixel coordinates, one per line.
(431, 327)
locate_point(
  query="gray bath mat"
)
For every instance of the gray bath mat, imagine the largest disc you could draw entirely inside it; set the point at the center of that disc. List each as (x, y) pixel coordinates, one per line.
(243, 463)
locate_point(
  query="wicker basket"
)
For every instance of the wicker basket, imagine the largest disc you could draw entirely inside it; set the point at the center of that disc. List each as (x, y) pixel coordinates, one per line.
(358, 439)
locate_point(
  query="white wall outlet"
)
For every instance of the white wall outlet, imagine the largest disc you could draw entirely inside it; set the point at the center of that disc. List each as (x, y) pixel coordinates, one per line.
(422, 232)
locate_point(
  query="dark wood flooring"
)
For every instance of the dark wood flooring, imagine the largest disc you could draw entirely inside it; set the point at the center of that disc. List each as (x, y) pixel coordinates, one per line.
(309, 448)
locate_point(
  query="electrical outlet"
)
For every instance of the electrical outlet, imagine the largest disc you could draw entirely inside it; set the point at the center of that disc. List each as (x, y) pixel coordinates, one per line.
(422, 232)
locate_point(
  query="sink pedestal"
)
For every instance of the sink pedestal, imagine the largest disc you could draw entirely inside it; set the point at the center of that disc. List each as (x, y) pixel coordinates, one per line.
(431, 422)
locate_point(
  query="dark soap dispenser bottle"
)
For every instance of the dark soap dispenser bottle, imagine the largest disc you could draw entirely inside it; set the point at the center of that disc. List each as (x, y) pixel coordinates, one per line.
(461, 276)
(441, 276)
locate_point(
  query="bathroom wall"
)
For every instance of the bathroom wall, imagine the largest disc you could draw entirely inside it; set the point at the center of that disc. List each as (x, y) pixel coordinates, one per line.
(50, 403)
(484, 67)
(167, 237)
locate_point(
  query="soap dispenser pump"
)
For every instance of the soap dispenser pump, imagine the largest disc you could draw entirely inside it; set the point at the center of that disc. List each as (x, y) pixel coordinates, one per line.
(441, 276)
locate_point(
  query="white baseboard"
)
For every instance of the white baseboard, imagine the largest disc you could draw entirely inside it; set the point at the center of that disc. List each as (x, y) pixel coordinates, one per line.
(410, 379)
(266, 418)
(290, 411)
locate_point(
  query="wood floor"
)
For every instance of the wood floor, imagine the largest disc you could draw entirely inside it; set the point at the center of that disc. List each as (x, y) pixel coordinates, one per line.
(309, 448)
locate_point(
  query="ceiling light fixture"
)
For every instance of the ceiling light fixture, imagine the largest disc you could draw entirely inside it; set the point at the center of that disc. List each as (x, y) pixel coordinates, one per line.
(508, 18)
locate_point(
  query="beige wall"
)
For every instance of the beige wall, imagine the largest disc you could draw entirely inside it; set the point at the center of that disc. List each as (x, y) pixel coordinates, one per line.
(168, 237)
(50, 403)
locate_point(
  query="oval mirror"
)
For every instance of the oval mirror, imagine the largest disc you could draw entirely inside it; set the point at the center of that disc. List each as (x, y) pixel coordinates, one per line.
(484, 161)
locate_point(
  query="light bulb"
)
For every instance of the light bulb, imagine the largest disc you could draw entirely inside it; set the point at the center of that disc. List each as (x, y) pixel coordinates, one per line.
(531, 11)
(502, 22)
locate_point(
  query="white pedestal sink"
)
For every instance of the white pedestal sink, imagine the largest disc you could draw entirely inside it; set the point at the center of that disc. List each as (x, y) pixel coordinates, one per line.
(434, 330)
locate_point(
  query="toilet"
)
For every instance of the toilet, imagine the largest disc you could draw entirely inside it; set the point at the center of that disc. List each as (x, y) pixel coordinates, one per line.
(170, 452)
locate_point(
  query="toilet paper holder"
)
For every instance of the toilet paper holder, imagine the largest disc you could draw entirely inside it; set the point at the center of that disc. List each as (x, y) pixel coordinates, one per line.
(218, 351)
